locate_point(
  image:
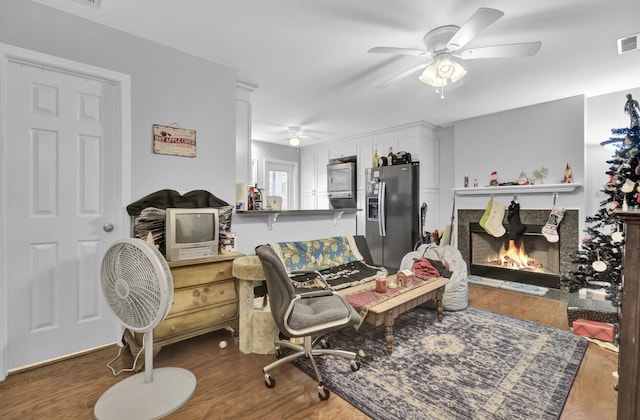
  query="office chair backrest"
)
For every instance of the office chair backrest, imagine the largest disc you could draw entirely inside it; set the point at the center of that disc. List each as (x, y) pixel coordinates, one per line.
(279, 286)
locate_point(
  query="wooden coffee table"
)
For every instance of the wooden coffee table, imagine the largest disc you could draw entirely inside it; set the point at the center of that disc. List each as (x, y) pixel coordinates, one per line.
(387, 311)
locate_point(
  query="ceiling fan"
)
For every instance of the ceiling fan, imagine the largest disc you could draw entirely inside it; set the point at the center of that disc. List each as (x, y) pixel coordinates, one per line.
(445, 48)
(295, 136)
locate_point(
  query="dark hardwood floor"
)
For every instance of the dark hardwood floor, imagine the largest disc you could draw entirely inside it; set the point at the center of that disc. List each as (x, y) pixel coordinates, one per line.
(230, 384)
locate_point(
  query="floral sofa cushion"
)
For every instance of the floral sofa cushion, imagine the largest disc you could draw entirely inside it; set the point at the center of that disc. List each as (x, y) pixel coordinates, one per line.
(318, 254)
(337, 259)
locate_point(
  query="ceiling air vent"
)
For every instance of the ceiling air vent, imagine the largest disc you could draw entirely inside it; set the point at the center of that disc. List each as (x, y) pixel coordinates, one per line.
(628, 43)
(94, 3)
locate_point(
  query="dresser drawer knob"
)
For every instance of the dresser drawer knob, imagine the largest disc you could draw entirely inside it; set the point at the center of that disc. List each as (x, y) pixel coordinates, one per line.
(223, 316)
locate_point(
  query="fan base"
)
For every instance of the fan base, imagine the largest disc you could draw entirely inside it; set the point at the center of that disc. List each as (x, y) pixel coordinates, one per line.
(436, 39)
(132, 398)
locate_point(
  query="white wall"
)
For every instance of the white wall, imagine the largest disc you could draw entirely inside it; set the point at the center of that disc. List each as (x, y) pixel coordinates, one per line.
(520, 140)
(549, 134)
(167, 87)
(447, 178)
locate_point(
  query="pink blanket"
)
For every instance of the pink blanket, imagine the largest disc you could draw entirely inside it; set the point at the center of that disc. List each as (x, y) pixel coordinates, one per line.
(363, 300)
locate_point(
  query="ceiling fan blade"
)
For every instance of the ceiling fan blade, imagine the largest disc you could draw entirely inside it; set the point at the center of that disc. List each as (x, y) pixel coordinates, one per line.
(395, 50)
(525, 49)
(402, 75)
(482, 18)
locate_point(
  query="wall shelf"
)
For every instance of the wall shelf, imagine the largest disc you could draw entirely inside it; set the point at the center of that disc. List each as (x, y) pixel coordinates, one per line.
(272, 215)
(518, 189)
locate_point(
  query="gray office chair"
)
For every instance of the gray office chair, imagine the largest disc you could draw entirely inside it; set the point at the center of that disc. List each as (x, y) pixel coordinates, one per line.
(307, 314)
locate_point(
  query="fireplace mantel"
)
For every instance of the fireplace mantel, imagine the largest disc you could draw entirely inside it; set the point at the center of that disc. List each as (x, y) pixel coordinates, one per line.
(517, 189)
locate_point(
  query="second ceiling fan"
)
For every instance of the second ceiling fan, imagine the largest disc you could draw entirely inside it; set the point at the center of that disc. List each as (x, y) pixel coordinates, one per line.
(444, 47)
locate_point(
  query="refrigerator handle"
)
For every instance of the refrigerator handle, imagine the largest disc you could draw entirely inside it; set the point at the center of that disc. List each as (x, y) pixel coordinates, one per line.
(382, 216)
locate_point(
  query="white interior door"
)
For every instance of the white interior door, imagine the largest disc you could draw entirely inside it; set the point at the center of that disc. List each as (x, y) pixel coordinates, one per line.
(64, 208)
(280, 179)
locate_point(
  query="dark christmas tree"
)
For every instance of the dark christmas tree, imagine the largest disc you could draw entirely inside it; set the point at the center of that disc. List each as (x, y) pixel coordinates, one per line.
(599, 261)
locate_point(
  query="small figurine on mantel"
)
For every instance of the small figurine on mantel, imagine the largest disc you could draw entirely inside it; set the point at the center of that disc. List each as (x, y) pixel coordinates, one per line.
(493, 181)
(540, 174)
(522, 179)
(568, 176)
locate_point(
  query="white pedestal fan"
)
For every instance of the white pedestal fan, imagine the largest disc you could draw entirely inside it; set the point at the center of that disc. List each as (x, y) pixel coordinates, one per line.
(138, 287)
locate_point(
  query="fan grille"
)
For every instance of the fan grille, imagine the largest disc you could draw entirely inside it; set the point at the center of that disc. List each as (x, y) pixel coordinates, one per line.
(137, 284)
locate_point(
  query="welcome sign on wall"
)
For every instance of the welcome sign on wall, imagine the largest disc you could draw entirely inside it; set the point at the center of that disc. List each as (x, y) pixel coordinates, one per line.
(174, 141)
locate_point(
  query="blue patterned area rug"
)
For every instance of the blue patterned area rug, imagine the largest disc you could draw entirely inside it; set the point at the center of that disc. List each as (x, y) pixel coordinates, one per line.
(473, 365)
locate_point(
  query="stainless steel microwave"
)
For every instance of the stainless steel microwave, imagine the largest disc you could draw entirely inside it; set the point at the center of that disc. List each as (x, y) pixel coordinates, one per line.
(341, 177)
(341, 184)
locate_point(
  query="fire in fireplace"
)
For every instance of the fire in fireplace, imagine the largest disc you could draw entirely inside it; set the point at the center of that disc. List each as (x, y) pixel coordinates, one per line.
(531, 259)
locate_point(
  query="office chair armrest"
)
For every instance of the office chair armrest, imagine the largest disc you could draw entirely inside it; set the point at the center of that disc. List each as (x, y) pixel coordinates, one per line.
(318, 273)
(315, 293)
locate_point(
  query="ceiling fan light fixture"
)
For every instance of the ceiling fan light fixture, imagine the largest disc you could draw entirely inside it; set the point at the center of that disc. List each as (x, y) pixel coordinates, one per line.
(294, 141)
(430, 77)
(458, 72)
(442, 72)
(445, 67)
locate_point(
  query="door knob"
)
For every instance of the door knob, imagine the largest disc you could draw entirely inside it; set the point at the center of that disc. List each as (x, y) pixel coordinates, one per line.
(108, 227)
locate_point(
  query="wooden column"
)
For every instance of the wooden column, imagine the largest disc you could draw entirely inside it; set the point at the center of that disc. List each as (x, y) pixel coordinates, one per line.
(629, 354)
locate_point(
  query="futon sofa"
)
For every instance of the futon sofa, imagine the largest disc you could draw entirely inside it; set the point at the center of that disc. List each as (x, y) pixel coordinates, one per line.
(346, 261)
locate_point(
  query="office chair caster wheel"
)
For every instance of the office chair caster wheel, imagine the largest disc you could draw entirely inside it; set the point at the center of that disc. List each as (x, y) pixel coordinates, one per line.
(323, 393)
(269, 381)
(324, 344)
(355, 366)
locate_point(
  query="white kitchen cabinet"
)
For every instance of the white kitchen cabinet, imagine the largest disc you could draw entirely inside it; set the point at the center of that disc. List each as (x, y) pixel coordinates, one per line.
(313, 178)
(342, 149)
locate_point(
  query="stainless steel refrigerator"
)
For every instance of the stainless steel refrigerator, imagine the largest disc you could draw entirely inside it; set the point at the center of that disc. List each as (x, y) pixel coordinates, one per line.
(392, 227)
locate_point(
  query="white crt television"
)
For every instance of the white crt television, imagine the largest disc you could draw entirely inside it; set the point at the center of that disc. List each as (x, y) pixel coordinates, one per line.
(191, 233)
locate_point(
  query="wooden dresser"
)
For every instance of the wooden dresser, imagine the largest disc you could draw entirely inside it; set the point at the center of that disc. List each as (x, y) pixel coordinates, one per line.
(629, 352)
(205, 299)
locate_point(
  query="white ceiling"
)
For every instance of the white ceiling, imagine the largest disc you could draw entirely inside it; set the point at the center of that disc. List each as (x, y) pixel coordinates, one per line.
(309, 60)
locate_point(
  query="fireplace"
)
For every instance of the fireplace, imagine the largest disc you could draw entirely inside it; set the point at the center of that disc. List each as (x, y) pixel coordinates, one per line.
(534, 261)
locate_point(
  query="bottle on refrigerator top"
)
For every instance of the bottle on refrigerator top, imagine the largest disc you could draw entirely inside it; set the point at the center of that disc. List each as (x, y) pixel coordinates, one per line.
(375, 158)
(390, 156)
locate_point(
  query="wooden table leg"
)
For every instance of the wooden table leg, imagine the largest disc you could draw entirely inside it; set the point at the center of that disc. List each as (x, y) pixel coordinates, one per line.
(439, 295)
(389, 335)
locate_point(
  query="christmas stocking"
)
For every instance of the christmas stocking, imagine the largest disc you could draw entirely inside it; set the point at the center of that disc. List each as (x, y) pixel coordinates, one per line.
(516, 228)
(550, 230)
(491, 220)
